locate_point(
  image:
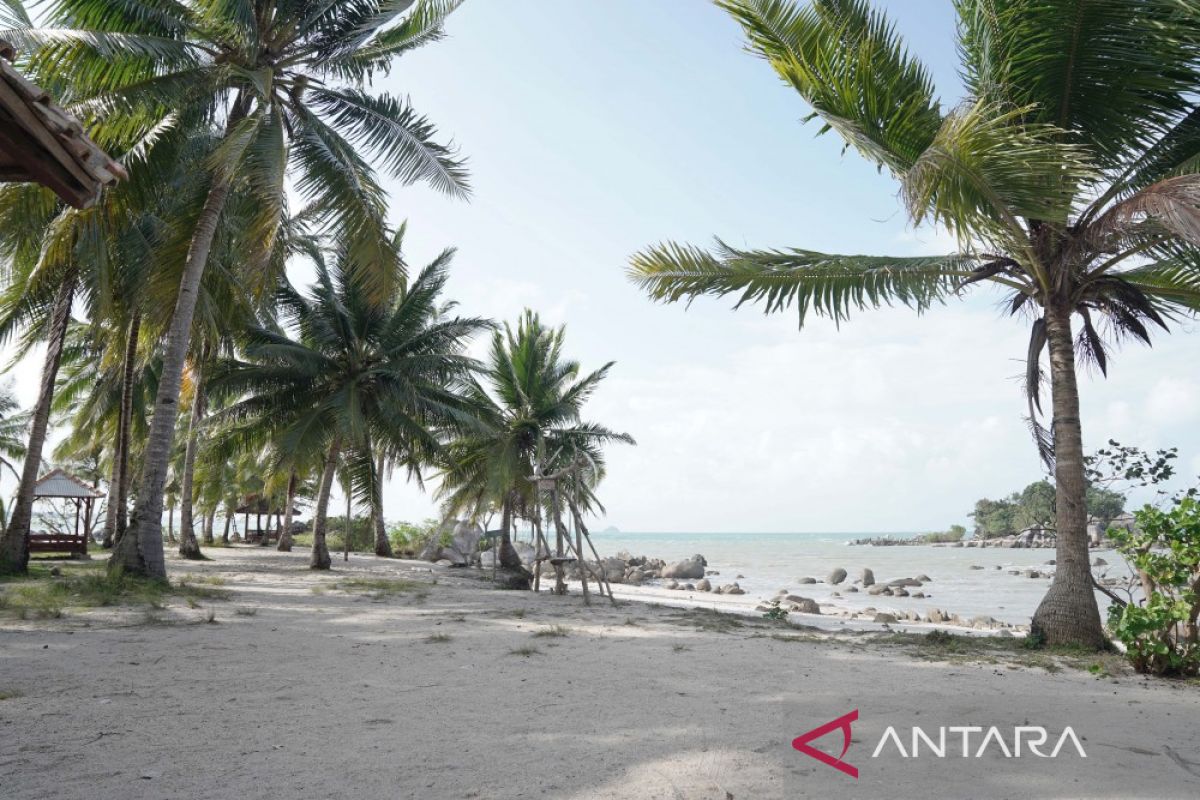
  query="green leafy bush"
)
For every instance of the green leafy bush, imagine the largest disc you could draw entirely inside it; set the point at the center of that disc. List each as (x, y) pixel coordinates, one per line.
(1160, 634)
(409, 539)
(955, 534)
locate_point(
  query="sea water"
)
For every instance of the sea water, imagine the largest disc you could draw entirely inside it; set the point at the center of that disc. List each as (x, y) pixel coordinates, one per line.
(769, 562)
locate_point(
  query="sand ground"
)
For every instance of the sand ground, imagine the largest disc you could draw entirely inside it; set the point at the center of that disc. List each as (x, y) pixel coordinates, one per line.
(301, 689)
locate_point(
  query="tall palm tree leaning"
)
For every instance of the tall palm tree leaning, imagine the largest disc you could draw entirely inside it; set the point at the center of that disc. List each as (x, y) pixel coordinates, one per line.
(361, 376)
(1068, 175)
(286, 79)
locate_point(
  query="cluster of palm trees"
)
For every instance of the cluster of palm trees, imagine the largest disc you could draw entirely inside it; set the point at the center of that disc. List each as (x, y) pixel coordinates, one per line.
(175, 345)
(1068, 175)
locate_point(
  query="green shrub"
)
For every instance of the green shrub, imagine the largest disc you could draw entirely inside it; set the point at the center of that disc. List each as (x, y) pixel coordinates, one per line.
(408, 539)
(1160, 634)
(955, 534)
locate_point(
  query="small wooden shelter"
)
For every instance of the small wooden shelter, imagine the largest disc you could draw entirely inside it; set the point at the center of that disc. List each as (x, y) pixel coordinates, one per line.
(259, 506)
(58, 484)
(42, 143)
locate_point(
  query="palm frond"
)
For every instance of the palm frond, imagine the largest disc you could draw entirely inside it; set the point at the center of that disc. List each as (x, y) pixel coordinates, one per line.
(815, 283)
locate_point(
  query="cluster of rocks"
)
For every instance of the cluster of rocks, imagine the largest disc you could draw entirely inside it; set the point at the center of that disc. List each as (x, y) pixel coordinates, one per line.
(937, 617)
(899, 587)
(704, 585)
(1028, 540)
(1033, 538)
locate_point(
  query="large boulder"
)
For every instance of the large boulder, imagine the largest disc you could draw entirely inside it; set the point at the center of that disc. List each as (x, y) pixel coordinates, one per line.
(689, 568)
(464, 537)
(454, 556)
(836, 577)
(806, 581)
(867, 577)
(885, 618)
(804, 605)
(703, 585)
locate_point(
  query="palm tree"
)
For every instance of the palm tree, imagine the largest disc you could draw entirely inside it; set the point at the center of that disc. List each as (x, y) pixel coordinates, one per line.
(286, 81)
(1068, 175)
(360, 375)
(527, 415)
(13, 423)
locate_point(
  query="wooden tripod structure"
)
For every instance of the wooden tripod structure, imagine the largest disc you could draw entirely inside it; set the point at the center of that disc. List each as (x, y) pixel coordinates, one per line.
(568, 542)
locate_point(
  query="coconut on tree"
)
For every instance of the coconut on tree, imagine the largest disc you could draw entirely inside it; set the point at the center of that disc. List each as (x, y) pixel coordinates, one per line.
(1068, 175)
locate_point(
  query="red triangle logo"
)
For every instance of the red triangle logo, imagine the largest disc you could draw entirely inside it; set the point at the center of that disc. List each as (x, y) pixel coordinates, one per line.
(801, 743)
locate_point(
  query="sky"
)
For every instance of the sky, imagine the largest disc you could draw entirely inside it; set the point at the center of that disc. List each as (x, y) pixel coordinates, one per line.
(594, 129)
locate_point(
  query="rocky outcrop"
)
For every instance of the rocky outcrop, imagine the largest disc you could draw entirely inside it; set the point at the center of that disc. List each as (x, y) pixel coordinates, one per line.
(688, 568)
(867, 577)
(836, 577)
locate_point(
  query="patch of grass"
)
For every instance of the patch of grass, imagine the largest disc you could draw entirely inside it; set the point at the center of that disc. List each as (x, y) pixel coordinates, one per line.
(380, 588)
(317, 589)
(9, 694)
(680, 648)
(515, 613)
(938, 645)
(245, 611)
(210, 618)
(438, 638)
(525, 652)
(708, 620)
(631, 621)
(554, 631)
(153, 618)
(48, 597)
(211, 580)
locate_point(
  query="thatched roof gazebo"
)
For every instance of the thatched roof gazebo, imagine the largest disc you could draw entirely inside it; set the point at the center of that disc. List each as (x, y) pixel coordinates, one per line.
(41, 142)
(59, 484)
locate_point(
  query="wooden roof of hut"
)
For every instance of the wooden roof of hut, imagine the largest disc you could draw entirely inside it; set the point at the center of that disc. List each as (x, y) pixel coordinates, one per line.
(59, 483)
(257, 504)
(41, 142)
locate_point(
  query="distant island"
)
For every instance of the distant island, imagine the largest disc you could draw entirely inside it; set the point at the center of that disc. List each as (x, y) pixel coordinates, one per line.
(611, 529)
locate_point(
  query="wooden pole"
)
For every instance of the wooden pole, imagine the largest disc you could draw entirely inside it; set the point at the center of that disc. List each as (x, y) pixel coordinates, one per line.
(579, 550)
(583, 529)
(560, 585)
(540, 550)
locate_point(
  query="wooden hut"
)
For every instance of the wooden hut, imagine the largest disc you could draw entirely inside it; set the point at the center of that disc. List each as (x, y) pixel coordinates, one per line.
(42, 143)
(58, 484)
(258, 506)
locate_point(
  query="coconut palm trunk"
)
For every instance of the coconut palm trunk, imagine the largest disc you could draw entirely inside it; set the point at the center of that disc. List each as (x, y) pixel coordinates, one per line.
(285, 535)
(210, 520)
(225, 533)
(14, 544)
(320, 552)
(508, 554)
(382, 546)
(116, 515)
(140, 551)
(108, 532)
(189, 547)
(1068, 613)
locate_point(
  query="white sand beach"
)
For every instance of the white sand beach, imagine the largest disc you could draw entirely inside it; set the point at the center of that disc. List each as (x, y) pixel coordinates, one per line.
(446, 690)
